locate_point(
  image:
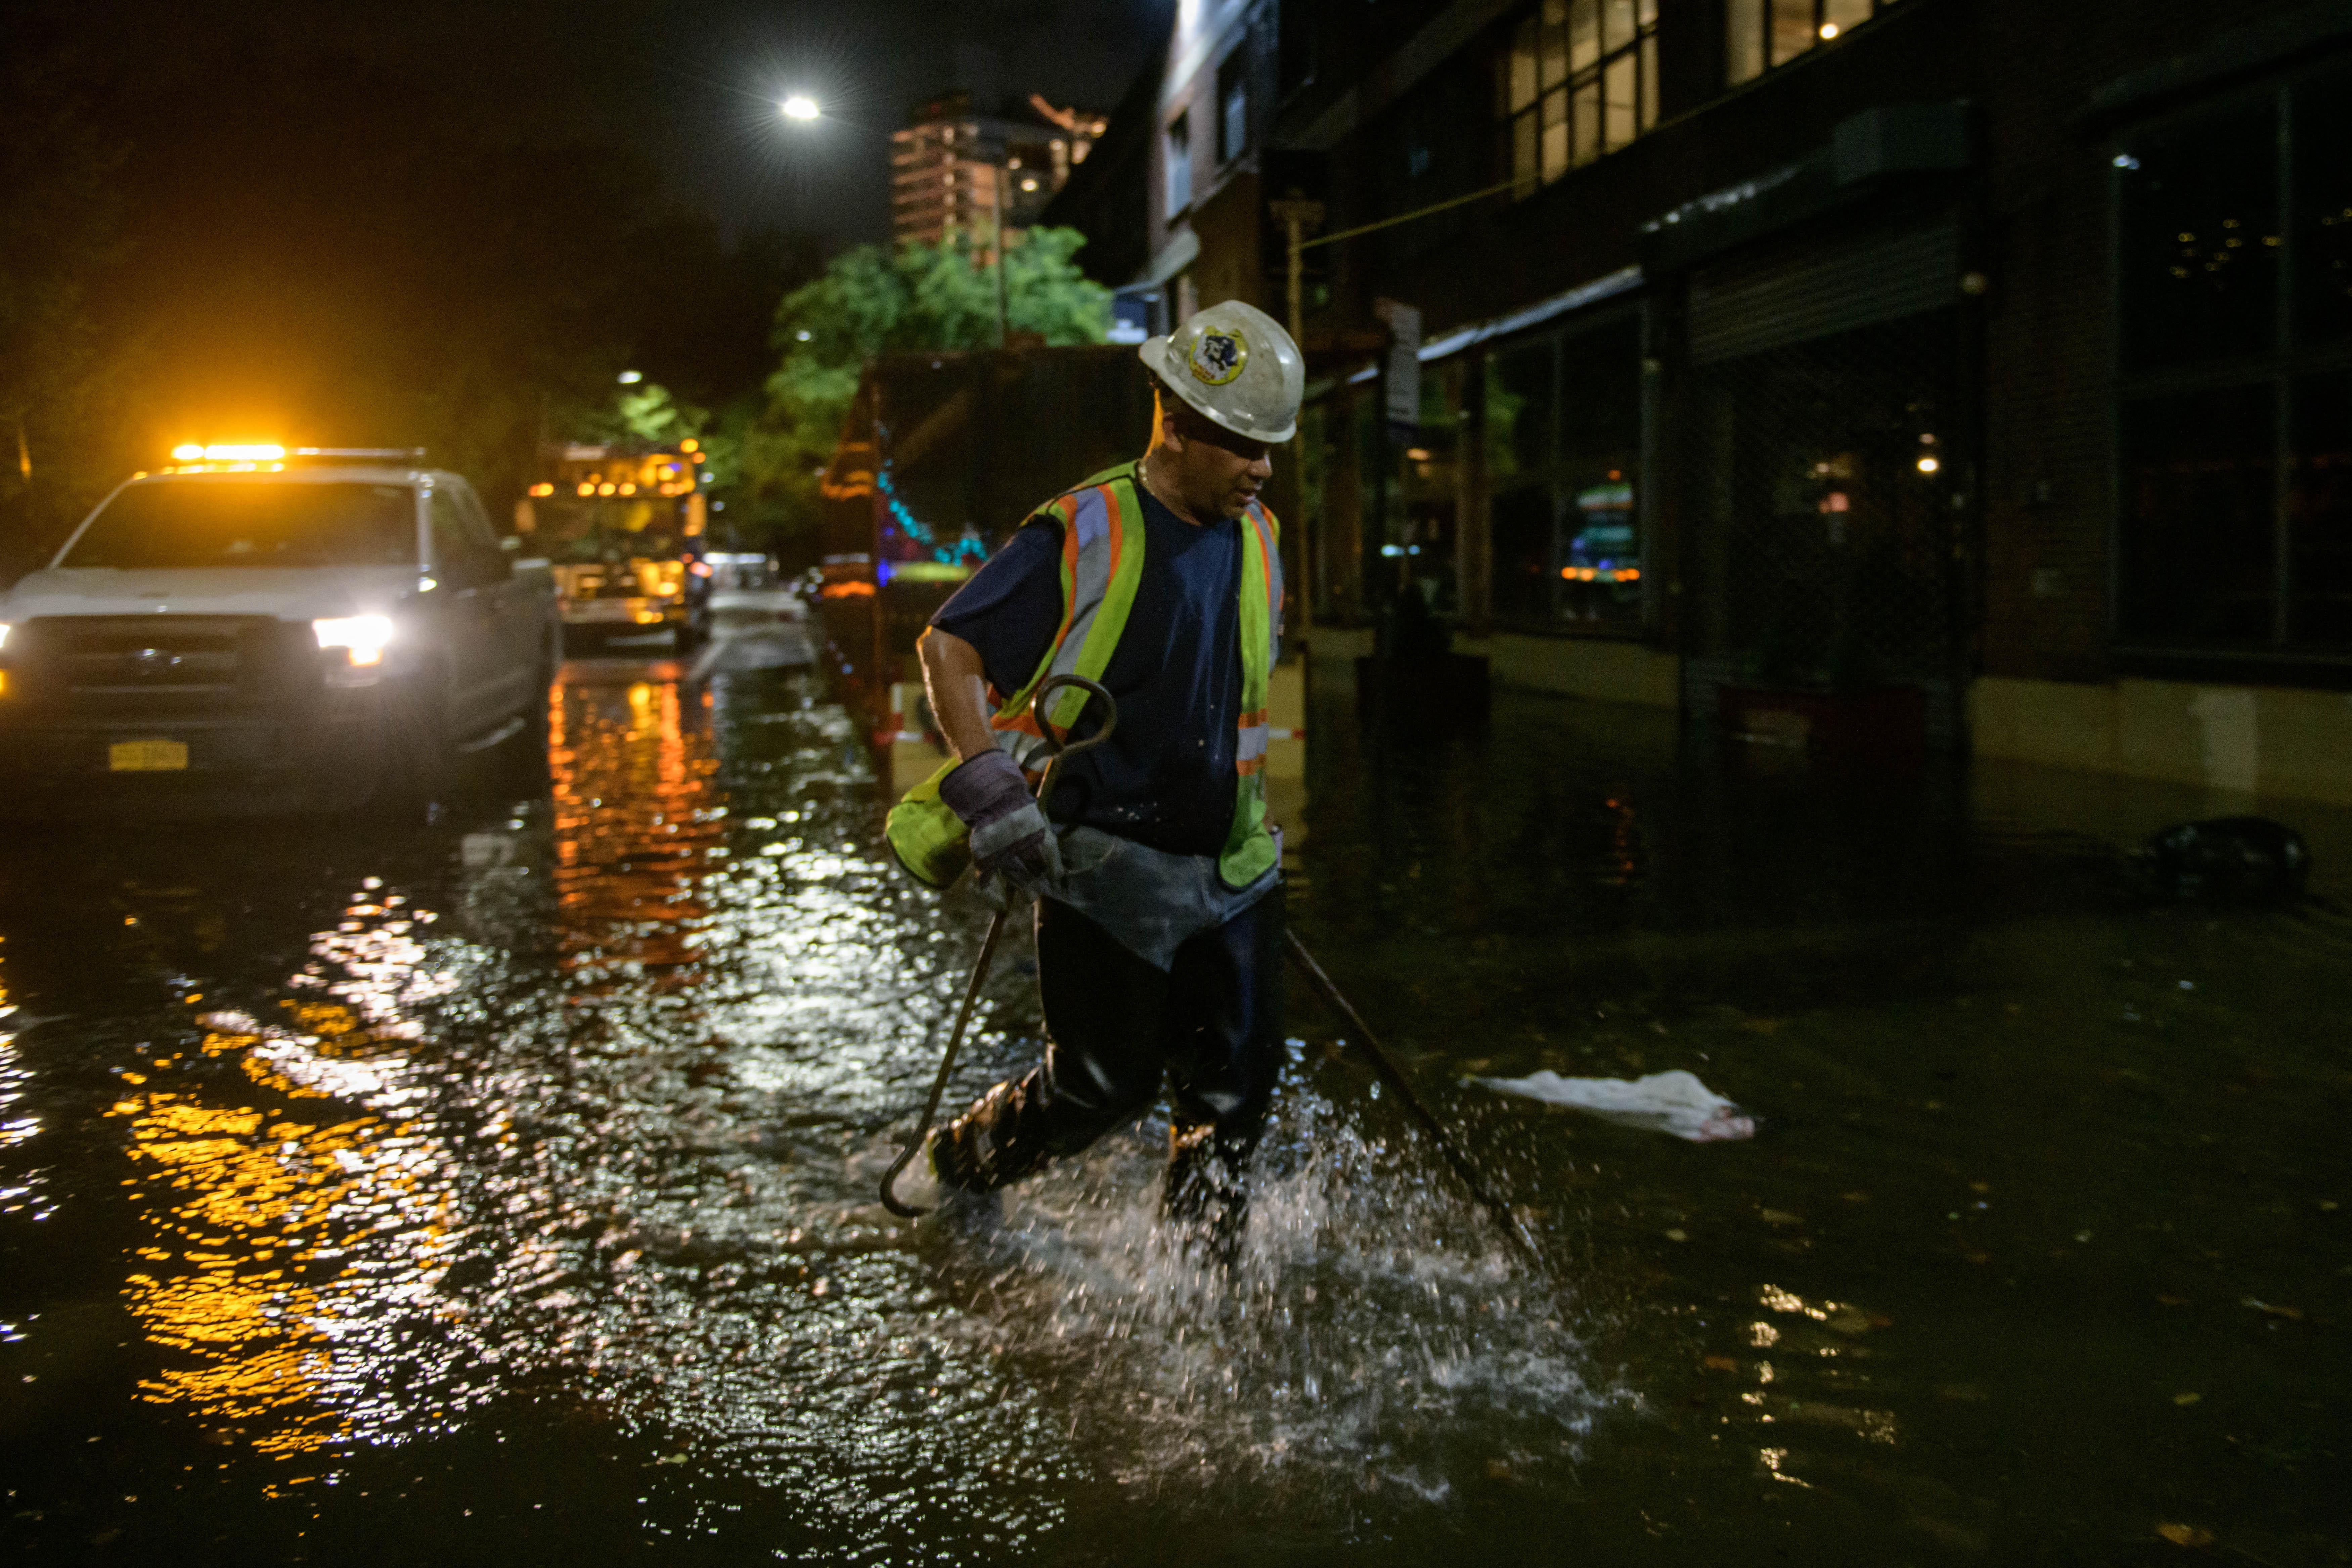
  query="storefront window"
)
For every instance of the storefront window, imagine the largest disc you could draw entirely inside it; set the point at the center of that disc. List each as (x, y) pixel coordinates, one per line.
(2198, 242)
(1820, 477)
(2198, 480)
(2323, 212)
(1421, 547)
(2319, 512)
(1563, 439)
(2223, 379)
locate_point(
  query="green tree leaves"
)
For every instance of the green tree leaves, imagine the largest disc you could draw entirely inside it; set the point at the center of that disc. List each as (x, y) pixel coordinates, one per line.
(915, 298)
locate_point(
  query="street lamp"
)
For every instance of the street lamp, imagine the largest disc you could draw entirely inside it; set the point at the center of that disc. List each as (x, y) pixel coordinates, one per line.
(800, 105)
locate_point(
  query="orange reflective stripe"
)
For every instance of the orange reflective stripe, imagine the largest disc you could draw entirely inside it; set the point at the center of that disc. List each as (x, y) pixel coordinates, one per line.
(1249, 765)
(1250, 720)
(1088, 536)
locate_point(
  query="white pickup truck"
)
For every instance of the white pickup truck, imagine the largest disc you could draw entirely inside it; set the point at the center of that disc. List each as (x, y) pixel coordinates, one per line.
(268, 630)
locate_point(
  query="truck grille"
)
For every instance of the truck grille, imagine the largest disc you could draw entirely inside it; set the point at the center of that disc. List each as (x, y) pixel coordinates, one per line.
(171, 660)
(620, 580)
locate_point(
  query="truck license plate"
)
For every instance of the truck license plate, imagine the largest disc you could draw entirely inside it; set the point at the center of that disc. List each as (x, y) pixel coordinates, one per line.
(147, 756)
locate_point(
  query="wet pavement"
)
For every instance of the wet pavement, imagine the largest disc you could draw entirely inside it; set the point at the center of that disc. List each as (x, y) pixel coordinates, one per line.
(504, 1188)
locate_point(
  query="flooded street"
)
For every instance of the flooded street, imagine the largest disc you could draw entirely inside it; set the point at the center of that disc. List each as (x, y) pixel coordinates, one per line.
(504, 1189)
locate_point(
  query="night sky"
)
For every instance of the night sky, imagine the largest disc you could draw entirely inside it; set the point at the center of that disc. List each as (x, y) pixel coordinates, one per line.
(449, 223)
(696, 85)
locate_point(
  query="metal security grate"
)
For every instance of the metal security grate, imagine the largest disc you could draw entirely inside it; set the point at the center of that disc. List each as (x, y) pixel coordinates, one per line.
(1827, 514)
(1752, 309)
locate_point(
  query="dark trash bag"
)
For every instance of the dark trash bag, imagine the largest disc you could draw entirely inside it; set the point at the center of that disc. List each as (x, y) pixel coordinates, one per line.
(2226, 861)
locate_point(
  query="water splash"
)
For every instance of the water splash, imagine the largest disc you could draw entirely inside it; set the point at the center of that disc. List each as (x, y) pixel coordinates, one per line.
(1371, 1336)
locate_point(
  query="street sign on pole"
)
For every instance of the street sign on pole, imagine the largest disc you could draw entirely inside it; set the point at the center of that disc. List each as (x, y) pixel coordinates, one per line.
(1402, 379)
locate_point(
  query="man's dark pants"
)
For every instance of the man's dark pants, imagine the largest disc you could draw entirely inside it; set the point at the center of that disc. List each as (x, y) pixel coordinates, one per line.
(1212, 1025)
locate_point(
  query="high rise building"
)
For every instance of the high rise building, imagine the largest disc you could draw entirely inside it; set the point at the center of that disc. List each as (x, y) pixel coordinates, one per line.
(951, 167)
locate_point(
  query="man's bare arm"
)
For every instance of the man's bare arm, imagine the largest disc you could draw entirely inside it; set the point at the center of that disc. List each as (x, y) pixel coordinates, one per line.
(951, 673)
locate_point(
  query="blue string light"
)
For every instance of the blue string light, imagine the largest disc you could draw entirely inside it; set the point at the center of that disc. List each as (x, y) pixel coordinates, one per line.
(920, 534)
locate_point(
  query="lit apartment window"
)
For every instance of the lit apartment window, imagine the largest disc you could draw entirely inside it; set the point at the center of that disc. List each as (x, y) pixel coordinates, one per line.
(1179, 164)
(1233, 106)
(1767, 33)
(1581, 79)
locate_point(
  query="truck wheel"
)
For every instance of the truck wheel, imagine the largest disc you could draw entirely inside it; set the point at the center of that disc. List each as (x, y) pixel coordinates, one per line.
(420, 763)
(523, 761)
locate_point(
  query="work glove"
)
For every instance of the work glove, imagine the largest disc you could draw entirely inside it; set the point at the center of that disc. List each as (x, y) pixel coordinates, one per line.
(1011, 839)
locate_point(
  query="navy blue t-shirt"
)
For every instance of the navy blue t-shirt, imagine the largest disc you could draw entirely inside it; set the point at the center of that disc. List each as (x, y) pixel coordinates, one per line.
(1165, 778)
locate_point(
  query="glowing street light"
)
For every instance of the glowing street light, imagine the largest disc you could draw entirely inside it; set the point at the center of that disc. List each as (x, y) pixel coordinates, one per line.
(800, 105)
(631, 377)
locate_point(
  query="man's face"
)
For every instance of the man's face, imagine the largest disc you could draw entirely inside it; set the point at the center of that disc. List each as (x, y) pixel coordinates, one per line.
(1215, 471)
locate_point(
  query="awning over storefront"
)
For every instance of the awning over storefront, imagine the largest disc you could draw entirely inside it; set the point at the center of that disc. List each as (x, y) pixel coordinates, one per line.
(1183, 249)
(1867, 153)
(1618, 283)
(1773, 303)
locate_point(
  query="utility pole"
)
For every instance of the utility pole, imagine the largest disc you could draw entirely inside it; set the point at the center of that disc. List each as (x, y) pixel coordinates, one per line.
(1298, 216)
(996, 199)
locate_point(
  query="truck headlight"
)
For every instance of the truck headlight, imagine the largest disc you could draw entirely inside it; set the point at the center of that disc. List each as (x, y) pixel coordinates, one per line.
(362, 637)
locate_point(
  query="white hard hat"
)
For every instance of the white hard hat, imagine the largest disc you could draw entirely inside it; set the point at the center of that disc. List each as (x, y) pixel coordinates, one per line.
(1236, 364)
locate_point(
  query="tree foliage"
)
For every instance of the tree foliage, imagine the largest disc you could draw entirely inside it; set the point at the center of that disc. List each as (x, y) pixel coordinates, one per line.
(647, 413)
(650, 415)
(914, 296)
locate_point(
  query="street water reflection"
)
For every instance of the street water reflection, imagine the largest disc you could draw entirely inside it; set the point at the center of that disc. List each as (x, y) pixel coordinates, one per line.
(506, 1187)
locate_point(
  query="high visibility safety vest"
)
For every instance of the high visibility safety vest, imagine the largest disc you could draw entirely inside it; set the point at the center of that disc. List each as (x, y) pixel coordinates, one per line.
(1102, 564)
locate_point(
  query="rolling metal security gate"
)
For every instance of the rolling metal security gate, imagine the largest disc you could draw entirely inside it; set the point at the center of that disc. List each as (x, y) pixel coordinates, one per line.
(1828, 449)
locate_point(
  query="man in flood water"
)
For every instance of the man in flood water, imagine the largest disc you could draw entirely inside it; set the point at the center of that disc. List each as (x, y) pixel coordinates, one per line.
(1157, 878)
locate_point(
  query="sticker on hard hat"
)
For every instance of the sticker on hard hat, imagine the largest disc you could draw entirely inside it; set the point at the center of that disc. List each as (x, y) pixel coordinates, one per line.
(1218, 355)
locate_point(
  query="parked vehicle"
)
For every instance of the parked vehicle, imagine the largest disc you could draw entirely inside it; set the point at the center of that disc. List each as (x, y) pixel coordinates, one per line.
(623, 530)
(264, 630)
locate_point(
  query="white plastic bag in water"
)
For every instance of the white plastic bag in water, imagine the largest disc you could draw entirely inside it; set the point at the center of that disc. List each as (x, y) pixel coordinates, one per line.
(1674, 1103)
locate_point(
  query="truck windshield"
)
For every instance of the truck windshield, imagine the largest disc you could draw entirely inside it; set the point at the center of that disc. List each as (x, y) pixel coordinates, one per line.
(611, 532)
(179, 525)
